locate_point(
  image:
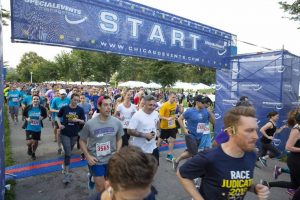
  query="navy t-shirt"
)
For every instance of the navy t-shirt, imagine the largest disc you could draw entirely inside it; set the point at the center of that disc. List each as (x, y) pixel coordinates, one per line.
(223, 177)
(66, 113)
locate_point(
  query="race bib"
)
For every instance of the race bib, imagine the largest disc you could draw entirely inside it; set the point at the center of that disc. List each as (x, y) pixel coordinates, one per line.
(34, 122)
(203, 128)
(103, 149)
(15, 99)
(171, 123)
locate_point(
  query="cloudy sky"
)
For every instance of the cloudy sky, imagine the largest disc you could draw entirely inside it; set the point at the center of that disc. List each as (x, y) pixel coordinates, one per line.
(256, 21)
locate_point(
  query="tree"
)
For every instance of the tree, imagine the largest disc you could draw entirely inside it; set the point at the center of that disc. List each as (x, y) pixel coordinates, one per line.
(5, 15)
(30, 62)
(164, 73)
(12, 75)
(293, 9)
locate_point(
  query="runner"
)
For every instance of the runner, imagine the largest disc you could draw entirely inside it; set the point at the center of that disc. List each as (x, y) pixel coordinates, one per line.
(226, 171)
(143, 127)
(87, 108)
(124, 176)
(56, 104)
(197, 120)
(124, 112)
(13, 98)
(33, 115)
(100, 138)
(70, 119)
(168, 129)
(205, 143)
(269, 131)
(293, 161)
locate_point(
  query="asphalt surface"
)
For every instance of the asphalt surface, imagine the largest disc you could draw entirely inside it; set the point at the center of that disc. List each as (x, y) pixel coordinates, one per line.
(50, 186)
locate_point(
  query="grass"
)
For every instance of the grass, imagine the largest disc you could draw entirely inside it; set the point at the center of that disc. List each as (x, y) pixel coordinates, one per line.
(9, 195)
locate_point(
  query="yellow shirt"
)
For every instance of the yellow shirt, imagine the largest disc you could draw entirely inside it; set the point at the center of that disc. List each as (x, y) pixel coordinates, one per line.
(167, 110)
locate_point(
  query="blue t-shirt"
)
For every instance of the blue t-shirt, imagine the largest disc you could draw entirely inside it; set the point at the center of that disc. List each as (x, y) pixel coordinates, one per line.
(14, 98)
(34, 113)
(197, 121)
(57, 103)
(86, 107)
(66, 114)
(35, 123)
(94, 99)
(223, 177)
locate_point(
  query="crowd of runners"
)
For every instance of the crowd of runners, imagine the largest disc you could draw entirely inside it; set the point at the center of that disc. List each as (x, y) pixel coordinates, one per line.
(119, 132)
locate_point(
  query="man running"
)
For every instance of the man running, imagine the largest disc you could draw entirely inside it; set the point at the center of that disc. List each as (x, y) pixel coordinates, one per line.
(100, 138)
(143, 127)
(56, 104)
(227, 171)
(197, 121)
(70, 119)
(167, 125)
(13, 98)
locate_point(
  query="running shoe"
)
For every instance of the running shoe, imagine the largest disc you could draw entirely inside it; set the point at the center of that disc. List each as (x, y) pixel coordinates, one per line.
(59, 151)
(62, 169)
(169, 157)
(67, 178)
(290, 192)
(91, 183)
(82, 156)
(276, 172)
(263, 161)
(33, 157)
(175, 165)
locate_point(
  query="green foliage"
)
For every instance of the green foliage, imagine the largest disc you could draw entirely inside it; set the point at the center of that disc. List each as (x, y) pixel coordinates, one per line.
(165, 73)
(292, 9)
(5, 16)
(9, 195)
(80, 65)
(30, 62)
(12, 75)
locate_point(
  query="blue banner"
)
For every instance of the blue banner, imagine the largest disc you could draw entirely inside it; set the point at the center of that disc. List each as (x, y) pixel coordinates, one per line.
(2, 160)
(271, 82)
(120, 27)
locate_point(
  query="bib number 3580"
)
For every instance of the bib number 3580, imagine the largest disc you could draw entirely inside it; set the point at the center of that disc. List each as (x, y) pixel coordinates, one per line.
(103, 149)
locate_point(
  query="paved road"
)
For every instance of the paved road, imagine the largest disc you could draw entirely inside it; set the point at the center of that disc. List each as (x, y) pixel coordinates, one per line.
(50, 186)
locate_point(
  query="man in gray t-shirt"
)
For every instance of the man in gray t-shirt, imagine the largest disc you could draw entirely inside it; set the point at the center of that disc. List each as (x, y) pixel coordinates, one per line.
(99, 139)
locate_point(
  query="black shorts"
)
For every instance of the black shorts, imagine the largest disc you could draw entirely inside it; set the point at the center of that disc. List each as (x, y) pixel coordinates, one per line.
(166, 133)
(31, 135)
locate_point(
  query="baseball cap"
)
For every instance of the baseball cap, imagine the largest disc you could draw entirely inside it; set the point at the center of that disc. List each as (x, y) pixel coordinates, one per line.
(34, 90)
(62, 91)
(200, 98)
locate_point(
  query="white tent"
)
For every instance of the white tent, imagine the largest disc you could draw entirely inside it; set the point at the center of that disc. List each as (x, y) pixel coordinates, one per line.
(153, 85)
(95, 83)
(182, 85)
(201, 86)
(132, 84)
(190, 86)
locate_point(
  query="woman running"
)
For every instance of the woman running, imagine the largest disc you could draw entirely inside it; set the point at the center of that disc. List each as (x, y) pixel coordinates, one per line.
(269, 131)
(293, 161)
(34, 114)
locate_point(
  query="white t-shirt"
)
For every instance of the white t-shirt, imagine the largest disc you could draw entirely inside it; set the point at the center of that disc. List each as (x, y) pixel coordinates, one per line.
(144, 123)
(126, 113)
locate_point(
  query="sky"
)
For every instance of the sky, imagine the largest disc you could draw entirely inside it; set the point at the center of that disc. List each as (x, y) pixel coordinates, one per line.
(256, 21)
